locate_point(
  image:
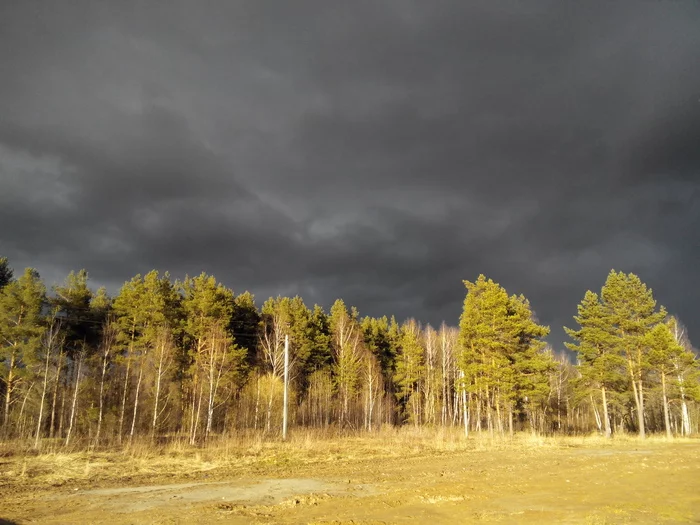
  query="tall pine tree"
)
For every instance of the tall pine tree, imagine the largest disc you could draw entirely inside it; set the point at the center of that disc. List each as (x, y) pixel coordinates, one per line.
(599, 362)
(632, 313)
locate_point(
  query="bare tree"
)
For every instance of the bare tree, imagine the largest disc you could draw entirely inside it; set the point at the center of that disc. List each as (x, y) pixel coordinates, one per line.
(162, 359)
(50, 340)
(109, 337)
(71, 420)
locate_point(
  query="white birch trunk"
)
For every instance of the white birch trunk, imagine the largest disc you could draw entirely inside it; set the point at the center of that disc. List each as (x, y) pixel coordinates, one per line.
(75, 400)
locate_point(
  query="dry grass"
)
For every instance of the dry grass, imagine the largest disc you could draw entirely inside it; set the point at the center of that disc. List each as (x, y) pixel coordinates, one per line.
(143, 460)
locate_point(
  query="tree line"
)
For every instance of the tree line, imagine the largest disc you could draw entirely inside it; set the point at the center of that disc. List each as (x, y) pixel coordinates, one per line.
(190, 359)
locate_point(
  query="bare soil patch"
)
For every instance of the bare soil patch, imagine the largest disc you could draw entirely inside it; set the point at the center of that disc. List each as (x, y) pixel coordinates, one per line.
(563, 481)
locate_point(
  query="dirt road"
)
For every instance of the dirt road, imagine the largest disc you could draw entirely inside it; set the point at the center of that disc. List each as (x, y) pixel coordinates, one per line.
(634, 483)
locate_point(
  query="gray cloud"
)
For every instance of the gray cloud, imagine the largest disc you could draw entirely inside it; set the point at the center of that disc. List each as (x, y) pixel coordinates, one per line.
(377, 151)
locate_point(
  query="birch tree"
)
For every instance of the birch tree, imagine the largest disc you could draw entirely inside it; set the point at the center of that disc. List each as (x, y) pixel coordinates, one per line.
(131, 317)
(106, 349)
(274, 325)
(447, 339)
(347, 347)
(373, 385)
(686, 372)
(144, 307)
(217, 362)
(72, 301)
(51, 340)
(161, 360)
(430, 385)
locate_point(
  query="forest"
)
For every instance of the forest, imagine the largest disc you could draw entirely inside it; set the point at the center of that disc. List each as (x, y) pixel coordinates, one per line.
(189, 360)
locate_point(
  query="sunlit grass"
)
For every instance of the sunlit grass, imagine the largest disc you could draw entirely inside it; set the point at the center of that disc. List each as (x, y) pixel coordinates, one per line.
(56, 465)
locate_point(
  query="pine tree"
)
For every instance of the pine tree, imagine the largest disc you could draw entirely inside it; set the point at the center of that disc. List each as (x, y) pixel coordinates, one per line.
(378, 339)
(21, 327)
(81, 329)
(410, 367)
(301, 338)
(100, 305)
(320, 340)
(600, 364)
(217, 363)
(317, 380)
(72, 301)
(486, 334)
(144, 308)
(664, 352)
(501, 360)
(6, 273)
(532, 362)
(632, 313)
(245, 321)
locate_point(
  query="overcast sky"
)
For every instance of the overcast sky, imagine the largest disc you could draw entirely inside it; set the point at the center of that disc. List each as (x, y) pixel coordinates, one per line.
(378, 151)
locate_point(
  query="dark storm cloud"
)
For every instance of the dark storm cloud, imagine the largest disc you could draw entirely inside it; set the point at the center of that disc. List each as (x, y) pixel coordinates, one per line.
(668, 146)
(375, 151)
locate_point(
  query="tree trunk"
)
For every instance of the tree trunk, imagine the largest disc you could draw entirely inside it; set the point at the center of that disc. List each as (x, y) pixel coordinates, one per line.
(598, 422)
(62, 413)
(43, 390)
(465, 407)
(8, 390)
(211, 393)
(257, 403)
(136, 404)
(52, 427)
(667, 421)
(194, 406)
(510, 419)
(75, 400)
(155, 401)
(21, 411)
(124, 391)
(443, 410)
(478, 408)
(640, 413)
(102, 389)
(638, 401)
(370, 399)
(685, 416)
(498, 412)
(193, 440)
(268, 425)
(606, 416)
(129, 353)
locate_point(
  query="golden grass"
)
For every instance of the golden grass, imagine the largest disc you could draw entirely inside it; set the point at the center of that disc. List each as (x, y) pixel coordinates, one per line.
(142, 459)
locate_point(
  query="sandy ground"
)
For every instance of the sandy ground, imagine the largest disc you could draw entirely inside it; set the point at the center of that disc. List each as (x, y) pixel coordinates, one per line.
(634, 482)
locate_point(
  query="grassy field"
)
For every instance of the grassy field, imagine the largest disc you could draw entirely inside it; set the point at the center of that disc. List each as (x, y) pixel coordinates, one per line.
(395, 476)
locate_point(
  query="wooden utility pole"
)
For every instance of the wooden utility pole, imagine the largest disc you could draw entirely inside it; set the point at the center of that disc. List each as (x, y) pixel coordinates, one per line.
(286, 381)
